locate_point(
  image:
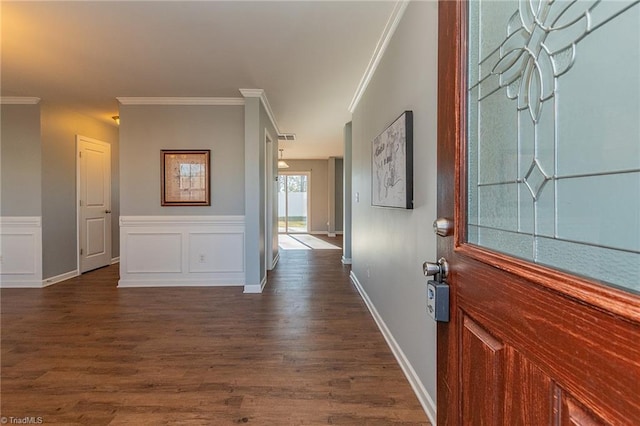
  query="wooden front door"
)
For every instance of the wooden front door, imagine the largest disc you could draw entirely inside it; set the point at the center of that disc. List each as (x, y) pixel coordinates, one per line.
(539, 168)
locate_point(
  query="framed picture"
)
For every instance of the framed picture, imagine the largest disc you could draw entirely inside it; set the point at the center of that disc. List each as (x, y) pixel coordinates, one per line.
(392, 165)
(185, 177)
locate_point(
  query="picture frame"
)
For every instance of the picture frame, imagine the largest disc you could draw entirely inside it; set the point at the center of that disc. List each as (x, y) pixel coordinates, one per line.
(392, 165)
(185, 177)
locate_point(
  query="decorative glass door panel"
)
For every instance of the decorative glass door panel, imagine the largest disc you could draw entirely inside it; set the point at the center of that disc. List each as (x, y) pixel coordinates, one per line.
(554, 134)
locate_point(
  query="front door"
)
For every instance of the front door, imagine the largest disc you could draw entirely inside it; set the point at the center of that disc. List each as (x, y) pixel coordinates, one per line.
(539, 169)
(94, 201)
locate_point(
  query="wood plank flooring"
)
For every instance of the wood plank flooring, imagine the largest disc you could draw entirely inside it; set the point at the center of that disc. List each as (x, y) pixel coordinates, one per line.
(306, 351)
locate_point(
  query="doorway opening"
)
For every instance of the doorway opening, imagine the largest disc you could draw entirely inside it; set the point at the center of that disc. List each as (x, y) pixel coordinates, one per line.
(293, 202)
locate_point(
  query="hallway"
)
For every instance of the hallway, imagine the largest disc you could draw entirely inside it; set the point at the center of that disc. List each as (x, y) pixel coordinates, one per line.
(306, 351)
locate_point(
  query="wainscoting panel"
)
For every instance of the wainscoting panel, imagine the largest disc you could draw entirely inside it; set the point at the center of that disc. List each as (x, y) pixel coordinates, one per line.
(20, 251)
(216, 252)
(181, 251)
(154, 252)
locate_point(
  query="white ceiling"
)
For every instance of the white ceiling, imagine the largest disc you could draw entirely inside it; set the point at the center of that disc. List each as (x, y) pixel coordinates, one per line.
(308, 56)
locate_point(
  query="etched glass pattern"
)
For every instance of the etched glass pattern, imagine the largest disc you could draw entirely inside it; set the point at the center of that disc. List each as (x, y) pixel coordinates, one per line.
(554, 134)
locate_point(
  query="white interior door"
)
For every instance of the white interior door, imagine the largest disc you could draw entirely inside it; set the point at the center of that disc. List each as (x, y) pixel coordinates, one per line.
(94, 201)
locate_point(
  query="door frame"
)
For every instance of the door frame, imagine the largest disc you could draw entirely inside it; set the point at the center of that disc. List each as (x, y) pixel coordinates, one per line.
(79, 139)
(268, 204)
(452, 85)
(299, 173)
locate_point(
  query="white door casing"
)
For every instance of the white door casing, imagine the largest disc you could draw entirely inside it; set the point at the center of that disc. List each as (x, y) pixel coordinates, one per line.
(268, 204)
(94, 203)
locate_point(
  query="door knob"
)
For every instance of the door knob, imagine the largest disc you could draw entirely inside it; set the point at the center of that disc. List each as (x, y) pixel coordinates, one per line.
(438, 270)
(443, 227)
(107, 211)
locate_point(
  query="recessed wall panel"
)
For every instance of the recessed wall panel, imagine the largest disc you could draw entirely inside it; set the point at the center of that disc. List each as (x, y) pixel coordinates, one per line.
(152, 253)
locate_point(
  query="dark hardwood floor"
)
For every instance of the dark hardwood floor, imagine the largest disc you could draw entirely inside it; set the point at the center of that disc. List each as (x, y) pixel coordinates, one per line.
(306, 351)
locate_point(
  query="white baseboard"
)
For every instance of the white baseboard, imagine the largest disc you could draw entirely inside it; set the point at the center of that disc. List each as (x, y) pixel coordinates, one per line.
(275, 260)
(327, 233)
(7, 283)
(115, 260)
(425, 399)
(255, 288)
(175, 283)
(346, 260)
(59, 278)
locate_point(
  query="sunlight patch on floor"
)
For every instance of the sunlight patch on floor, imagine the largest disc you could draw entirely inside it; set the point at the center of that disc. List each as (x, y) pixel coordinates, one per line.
(304, 242)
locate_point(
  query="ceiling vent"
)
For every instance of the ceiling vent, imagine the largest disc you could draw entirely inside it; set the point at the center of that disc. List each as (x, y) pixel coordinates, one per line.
(287, 137)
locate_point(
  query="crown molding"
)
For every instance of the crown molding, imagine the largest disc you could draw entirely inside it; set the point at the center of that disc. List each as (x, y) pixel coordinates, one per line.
(259, 93)
(381, 47)
(19, 100)
(252, 93)
(179, 101)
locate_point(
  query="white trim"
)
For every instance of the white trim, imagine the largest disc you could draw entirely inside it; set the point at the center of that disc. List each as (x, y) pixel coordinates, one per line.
(346, 260)
(59, 278)
(181, 282)
(425, 399)
(19, 100)
(260, 93)
(180, 101)
(20, 222)
(4, 283)
(269, 193)
(252, 93)
(115, 260)
(381, 47)
(255, 288)
(146, 221)
(331, 234)
(275, 260)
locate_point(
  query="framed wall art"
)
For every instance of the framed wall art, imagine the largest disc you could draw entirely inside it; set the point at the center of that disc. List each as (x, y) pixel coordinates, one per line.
(185, 177)
(392, 165)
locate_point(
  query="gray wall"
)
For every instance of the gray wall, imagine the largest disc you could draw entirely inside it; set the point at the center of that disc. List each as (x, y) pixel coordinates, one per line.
(147, 129)
(20, 169)
(389, 245)
(319, 170)
(59, 128)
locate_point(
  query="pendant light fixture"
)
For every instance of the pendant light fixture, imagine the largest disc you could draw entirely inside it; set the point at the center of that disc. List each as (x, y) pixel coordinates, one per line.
(281, 163)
